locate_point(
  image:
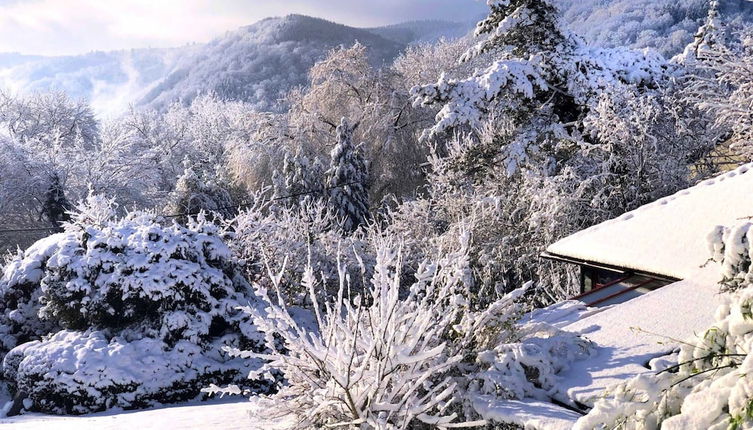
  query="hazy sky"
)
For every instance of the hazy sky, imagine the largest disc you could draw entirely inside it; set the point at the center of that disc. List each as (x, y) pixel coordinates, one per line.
(57, 27)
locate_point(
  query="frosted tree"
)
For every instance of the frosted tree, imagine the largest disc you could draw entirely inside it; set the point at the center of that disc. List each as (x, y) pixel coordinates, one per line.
(347, 180)
(537, 135)
(51, 114)
(48, 138)
(721, 60)
(708, 34)
(346, 84)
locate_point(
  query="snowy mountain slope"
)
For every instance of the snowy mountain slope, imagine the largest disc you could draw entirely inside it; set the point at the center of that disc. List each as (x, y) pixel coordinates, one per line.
(257, 63)
(10, 59)
(666, 25)
(262, 62)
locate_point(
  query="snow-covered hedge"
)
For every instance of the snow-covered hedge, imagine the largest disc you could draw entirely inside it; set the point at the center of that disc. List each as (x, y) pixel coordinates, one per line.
(711, 387)
(80, 372)
(144, 307)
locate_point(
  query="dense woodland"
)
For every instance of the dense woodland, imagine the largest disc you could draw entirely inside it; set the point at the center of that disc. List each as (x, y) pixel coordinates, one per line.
(359, 253)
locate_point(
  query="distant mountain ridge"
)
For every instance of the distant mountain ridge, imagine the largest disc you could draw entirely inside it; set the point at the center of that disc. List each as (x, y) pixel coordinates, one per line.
(258, 63)
(412, 32)
(261, 62)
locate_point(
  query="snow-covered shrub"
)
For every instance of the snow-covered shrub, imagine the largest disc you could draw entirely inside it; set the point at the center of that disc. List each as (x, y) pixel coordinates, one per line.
(711, 386)
(171, 290)
(378, 359)
(79, 372)
(20, 293)
(402, 356)
(194, 193)
(528, 365)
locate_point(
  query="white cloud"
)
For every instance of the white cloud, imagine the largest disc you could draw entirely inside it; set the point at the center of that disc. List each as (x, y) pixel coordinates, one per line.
(57, 27)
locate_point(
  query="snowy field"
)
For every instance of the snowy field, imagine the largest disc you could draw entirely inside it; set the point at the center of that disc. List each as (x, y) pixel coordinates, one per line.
(227, 414)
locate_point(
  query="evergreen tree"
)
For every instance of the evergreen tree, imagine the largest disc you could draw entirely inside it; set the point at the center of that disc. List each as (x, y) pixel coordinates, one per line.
(520, 28)
(194, 193)
(56, 205)
(347, 180)
(300, 180)
(709, 37)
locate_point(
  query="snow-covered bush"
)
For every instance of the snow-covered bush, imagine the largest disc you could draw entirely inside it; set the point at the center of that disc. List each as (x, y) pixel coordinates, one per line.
(377, 359)
(195, 193)
(527, 366)
(404, 357)
(130, 284)
(80, 372)
(711, 385)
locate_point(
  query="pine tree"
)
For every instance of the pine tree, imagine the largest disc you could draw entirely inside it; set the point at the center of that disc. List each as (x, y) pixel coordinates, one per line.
(543, 82)
(194, 192)
(708, 37)
(301, 179)
(347, 179)
(56, 205)
(520, 28)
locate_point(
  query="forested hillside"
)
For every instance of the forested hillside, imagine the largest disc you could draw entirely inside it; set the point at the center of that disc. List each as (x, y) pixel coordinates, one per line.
(665, 25)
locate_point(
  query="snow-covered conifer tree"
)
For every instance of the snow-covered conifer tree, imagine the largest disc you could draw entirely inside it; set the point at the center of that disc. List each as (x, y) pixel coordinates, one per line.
(56, 205)
(194, 193)
(300, 181)
(521, 28)
(347, 180)
(707, 38)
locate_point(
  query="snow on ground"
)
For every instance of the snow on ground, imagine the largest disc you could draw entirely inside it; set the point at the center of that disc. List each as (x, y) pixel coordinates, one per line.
(228, 414)
(561, 314)
(663, 237)
(629, 335)
(529, 414)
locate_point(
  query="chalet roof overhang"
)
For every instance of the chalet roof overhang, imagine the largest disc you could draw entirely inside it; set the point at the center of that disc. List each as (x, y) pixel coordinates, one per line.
(596, 265)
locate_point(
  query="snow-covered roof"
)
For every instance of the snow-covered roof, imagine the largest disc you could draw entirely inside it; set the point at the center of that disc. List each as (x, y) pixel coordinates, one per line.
(666, 237)
(629, 335)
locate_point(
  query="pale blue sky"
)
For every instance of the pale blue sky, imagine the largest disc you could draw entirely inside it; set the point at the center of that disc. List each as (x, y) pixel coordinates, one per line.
(57, 27)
